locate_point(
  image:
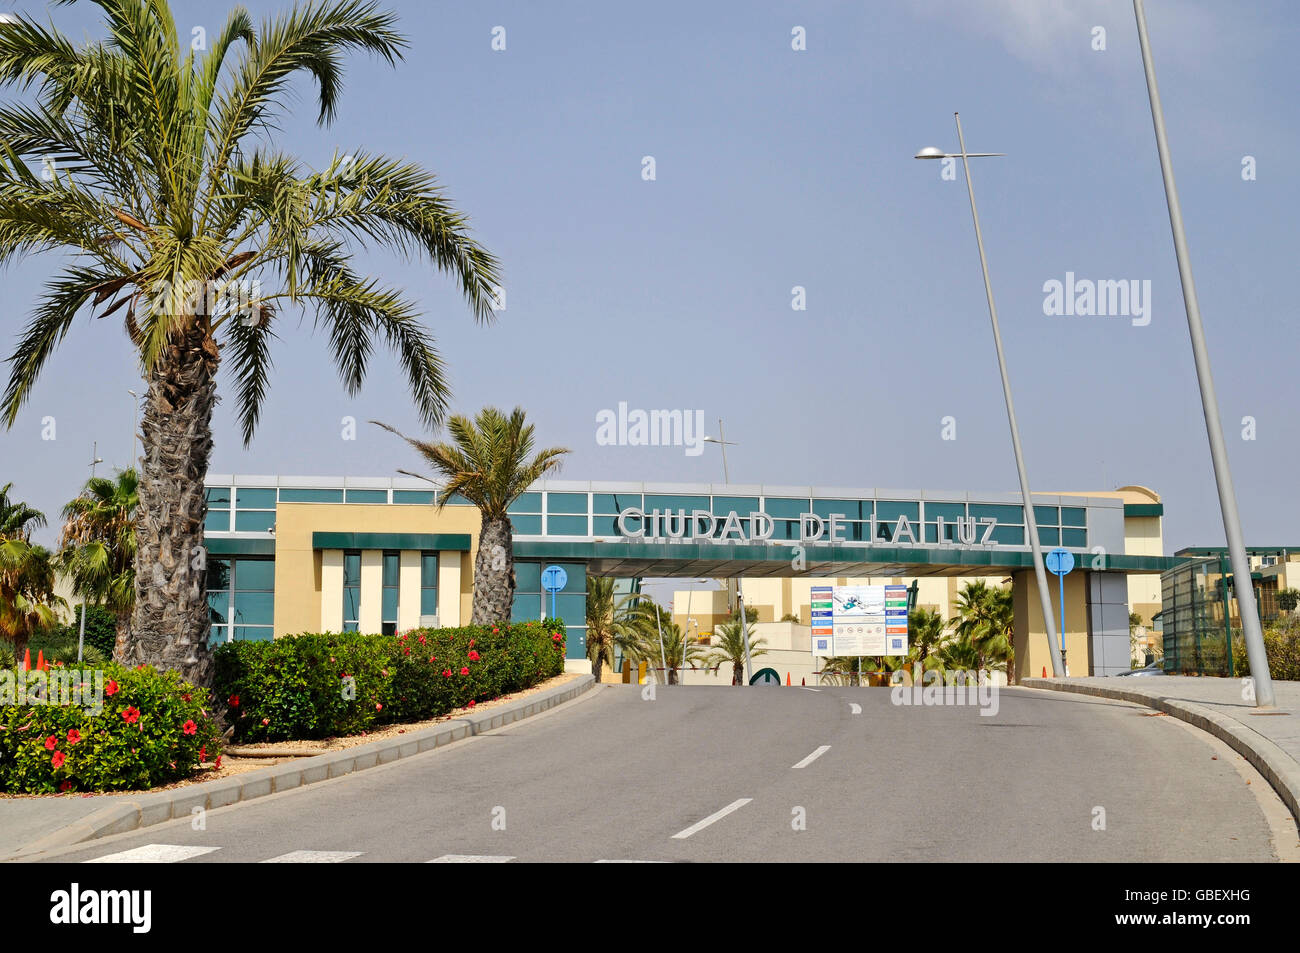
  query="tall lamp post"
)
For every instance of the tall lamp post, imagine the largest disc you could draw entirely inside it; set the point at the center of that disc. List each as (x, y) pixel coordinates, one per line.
(724, 443)
(1209, 402)
(1031, 523)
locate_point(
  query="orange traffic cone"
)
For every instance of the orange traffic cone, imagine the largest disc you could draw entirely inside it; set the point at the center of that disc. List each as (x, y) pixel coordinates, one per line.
(1044, 671)
(803, 681)
(27, 661)
(40, 660)
(787, 678)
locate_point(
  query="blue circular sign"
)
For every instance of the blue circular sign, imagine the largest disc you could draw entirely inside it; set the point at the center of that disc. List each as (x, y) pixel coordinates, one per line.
(1059, 561)
(554, 578)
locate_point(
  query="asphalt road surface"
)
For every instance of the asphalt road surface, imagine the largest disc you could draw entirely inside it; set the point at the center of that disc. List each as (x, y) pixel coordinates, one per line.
(704, 774)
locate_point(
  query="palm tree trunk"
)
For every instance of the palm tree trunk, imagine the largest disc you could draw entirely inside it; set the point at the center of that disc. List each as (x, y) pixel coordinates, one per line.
(598, 665)
(494, 573)
(170, 622)
(737, 673)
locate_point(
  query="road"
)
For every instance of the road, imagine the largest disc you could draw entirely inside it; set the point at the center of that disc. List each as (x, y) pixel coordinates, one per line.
(703, 774)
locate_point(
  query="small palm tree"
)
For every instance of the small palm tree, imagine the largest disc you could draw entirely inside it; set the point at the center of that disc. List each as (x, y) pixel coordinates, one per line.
(97, 548)
(27, 601)
(489, 462)
(729, 646)
(171, 205)
(17, 519)
(614, 623)
(926, 630)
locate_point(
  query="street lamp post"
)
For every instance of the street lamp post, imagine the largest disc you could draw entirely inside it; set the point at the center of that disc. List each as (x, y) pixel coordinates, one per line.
(723, 442)
(1246, 607)
(1031, 523)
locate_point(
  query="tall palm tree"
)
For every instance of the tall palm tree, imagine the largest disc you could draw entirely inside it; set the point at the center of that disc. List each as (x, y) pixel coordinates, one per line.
(926, 630)
(680, 650)
(614, 622)
(172, 207)
(985, 620)
(97, 548)
(728, 645)
(27, 599)
(17, 519)
(489, 462)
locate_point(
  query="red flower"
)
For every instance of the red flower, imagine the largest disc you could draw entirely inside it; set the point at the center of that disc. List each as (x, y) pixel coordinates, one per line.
(218, 764)
(51, 743)
(111, 690)
(186, 696)
(471, 642)
(473, 656)
(495, 629)
(66, 785)
(464, 670)
(233, 701)
(471, 703)
(378, 707)
(555, 637)
(189, 727)
(266, 721)
(446, 673)
(73, 736)
(432, 659)
(57, 760)
(203, 754)
(131, 715)
(422, 640)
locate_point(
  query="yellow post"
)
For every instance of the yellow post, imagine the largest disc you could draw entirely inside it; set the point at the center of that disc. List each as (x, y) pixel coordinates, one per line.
(640, 673)
(627, 672)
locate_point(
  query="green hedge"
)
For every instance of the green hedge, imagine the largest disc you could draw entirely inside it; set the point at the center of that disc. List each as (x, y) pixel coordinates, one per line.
(153, 728)
(325, 685)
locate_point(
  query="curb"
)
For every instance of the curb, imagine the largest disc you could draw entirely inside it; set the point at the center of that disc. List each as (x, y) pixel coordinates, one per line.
(1278, 768)
(150, 809)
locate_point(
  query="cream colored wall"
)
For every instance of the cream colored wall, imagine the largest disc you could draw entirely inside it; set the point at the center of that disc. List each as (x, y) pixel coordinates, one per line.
(1032, 653)
(302, 574)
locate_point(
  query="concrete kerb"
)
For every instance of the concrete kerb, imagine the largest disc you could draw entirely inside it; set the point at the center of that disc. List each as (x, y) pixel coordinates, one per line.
(1278, 768)
(149, 809)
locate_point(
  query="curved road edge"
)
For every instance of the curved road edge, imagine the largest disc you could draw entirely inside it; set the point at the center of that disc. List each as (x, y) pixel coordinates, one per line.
(1277, 767)
(149, 809)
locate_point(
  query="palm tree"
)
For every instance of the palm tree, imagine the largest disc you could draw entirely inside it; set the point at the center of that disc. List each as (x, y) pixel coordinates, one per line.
(97, 548)
(985, 620)
(27, 599)
(926, 629)
(729, 646)
(614, 622)
(172, 208)
(489, 462)
(680, 650)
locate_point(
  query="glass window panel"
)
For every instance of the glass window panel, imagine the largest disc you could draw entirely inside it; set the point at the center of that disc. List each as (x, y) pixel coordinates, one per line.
(608, 525)
(566, 502)
(527, 503)
(741, 505)
(577, 576)
(351, 569)
(218, 606)
(891, 510)
(254, 521)
(390, 569)
(785, 529)
(572, 608)
(458, 500)
(300, 495)
(254, 499)
(1008, 535)
(850, 509)
(525, 607)
(254, 633)
(1074, 537)
(254, 608)
(688, 503)
(216, 521)
(413, 496)
(1000, 512)
(1074, 516)
(218, 574)
(614, 503)
(428, 570)
(218, 495)
(949, 511)
(218, 634)
(566, 525)
(1049, 536)
(388, 604)
(777, 507)
(528, 577)
(367, 496)
(428, 601)
(351, 627)
(254, 574)
(351, 606)
(1047, 515)
(526, 525)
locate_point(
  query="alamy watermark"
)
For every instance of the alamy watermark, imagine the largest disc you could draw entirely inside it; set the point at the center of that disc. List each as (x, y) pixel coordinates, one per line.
(651, 428)
(951, 688)
(1127, 298)
(58, 686)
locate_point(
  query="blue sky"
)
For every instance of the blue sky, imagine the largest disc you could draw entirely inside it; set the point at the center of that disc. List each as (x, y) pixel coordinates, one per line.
(778, 168)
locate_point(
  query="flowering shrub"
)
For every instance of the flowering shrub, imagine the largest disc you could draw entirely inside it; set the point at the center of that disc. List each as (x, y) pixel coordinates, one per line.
(153, 729)
(318, 686)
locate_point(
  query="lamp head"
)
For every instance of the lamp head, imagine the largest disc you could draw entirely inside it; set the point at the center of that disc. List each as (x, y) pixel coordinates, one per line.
(929, 152)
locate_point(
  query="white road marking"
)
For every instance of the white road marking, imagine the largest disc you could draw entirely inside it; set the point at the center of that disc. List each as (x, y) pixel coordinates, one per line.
(153, 854)
(855, 708)
(807, 689)
(630, 861)
(471, 859)
(700, 825)
(812, 757)
(314, 857)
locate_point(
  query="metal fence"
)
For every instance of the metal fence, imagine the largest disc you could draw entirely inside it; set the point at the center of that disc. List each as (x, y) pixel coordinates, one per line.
(1200, 618)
